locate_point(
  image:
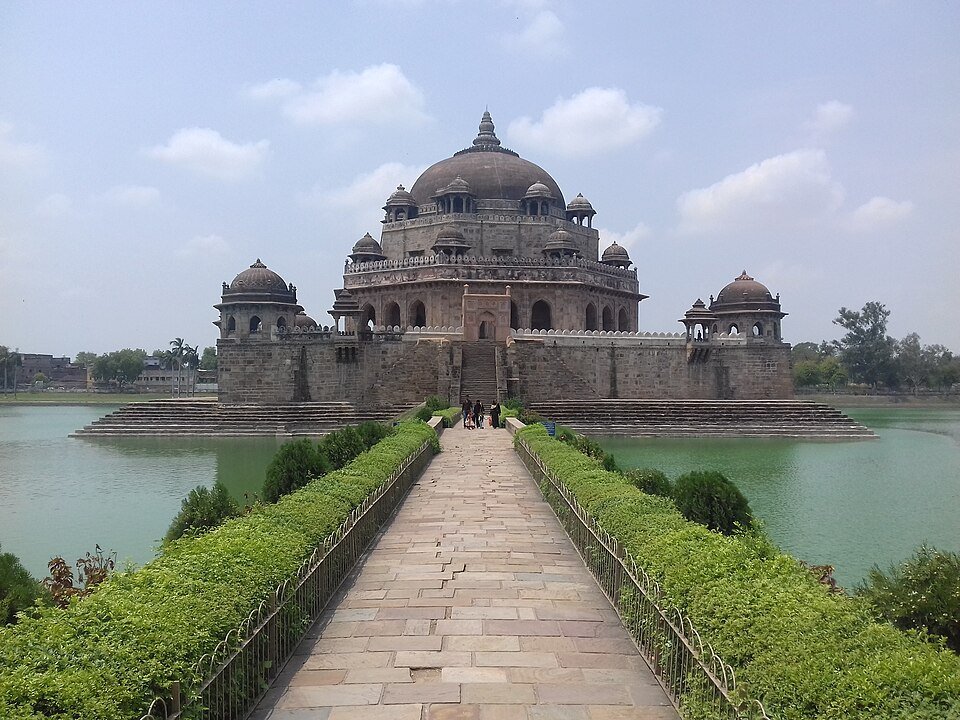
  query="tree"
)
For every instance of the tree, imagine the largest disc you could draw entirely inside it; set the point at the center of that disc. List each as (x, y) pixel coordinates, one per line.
(295, 464)
(921, 593)
(911, 363)
(201, 510)
(866, 350)
(120, 367)
(18, 590)
(208, 360)
(709, 498)
(11, 362)
(86, 359)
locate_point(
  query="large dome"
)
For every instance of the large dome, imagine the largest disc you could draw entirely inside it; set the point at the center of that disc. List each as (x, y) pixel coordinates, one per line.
(744, 289)
(493, 172)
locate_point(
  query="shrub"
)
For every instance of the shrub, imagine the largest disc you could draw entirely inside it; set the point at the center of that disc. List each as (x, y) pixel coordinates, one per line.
(650, 481)
(110, 655)
(450, 416)
(922, 593)
(294, 465)
(18, 590)
(514, 403)
(342, 446)
(803, 651)
(202, 509)
(709, 498)
(430, 406)
(372, 432)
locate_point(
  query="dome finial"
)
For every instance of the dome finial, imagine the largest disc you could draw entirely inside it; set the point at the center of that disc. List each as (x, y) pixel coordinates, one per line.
(486, 136)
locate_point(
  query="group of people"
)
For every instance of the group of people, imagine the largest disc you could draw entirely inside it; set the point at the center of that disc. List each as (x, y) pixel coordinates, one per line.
(473, 414)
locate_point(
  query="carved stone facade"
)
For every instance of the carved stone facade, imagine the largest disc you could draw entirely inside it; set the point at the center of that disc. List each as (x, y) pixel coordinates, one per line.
(484, 248)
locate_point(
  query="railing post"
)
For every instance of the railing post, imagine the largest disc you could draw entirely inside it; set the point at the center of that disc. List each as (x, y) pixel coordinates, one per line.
(273, 635)
(175, 697)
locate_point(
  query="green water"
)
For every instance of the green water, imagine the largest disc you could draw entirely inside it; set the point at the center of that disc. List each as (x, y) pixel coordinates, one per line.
(845, 504)
(850, 504)
(63, 495)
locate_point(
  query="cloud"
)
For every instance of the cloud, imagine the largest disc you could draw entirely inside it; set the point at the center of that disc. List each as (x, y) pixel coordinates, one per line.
(878, 213)
(18, 155)
(273, 89)
(594, 121)
(206, 152)
(543, 35)
(135, 196)
(203, 246)
(784, 190)
(367, 191)
(54, 205)
(379, 94)
(828, 118)
(630, 239)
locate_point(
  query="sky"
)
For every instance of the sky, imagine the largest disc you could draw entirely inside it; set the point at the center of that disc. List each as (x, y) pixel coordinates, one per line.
(151, 151)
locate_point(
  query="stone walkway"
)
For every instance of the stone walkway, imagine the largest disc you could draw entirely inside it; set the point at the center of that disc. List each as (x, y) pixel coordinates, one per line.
(473, 604)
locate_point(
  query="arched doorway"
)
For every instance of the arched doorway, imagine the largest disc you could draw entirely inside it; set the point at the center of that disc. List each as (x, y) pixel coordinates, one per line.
(231, 325)
(514, 316)
(540, 316)
(623, 322)
(734, 330)
(608, 318)
(255, 324)
(591, 319)
(417, 315)
(368, 317)
(488, 327)
(758, 330)
(392, 313)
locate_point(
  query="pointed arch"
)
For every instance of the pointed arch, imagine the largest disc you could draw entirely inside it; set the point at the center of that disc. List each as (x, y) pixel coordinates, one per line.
(623, 321)
(591, 317)
(392, 314)
(417, 314)
(608, 318)
(540, 316)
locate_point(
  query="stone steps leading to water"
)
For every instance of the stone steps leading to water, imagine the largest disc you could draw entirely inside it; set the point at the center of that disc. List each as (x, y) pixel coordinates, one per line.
(209, 418)
(704, 418)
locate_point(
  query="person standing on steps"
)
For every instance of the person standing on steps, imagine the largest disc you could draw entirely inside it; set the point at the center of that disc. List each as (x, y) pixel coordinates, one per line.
(465, 409)
(495, 415)
(478, 414)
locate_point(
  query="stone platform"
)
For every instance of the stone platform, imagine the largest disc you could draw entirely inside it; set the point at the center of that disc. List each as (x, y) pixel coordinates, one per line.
(473, 604)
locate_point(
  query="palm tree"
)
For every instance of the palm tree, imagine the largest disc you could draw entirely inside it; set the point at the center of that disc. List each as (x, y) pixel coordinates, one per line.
(177, 349)
(10, 359)
(192, 361)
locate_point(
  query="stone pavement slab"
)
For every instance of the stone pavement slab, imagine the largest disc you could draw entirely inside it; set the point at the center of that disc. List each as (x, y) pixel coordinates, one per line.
(471, 605)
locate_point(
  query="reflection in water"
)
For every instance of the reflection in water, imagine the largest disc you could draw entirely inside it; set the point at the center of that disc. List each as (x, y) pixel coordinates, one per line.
(851, 505)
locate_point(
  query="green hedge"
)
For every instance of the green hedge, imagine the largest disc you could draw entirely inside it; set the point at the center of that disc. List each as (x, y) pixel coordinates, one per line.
(450, 415)
(109, 655)
(805, 653)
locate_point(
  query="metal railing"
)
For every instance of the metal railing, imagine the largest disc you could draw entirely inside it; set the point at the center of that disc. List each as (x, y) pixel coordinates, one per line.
(239, 671)
(697, 681)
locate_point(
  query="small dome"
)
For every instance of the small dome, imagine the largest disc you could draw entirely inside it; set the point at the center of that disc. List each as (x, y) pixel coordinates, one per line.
(581, 205)
(302, 320)
(258, 278)
(449, 232)
(458, 185)
(744, 289)
(560, 241)
(400, 198)
(615, 254)
(538, 190)
(367, 244)
(449, 239)
(699, 312)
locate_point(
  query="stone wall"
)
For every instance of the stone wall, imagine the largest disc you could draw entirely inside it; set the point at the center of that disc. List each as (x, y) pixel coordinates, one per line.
(294, 370)
(406, 371)
(550, 371)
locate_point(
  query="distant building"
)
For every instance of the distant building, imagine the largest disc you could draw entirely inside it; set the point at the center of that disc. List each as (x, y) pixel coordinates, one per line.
(483, 269)
(58, 371)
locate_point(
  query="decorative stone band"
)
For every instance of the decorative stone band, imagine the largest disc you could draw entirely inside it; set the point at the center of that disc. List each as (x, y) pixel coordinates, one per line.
(487, 261)
(622, 337)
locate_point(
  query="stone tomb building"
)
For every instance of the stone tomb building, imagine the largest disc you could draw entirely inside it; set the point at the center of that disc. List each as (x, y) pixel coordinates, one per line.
(485, 275)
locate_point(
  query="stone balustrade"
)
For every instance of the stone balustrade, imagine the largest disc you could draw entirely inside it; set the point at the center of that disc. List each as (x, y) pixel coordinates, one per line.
(488, 261)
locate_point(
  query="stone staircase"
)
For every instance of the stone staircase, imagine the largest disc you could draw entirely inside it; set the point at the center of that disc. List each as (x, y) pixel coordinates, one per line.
(212, 419)
(704, 418)
(478, 372)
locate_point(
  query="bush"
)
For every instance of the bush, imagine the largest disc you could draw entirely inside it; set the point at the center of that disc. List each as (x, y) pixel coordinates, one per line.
(372, 432)
(450, 416)
(18, 589)
(922, 593)
(430, 406)
(294, 465)
(803, 651)
(109, 656)
(342, 446)
(652, 482)
(709, 498)
(201, 510)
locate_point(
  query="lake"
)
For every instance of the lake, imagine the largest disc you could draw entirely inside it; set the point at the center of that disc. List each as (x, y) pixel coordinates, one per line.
(845, 504)
(63, 495)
